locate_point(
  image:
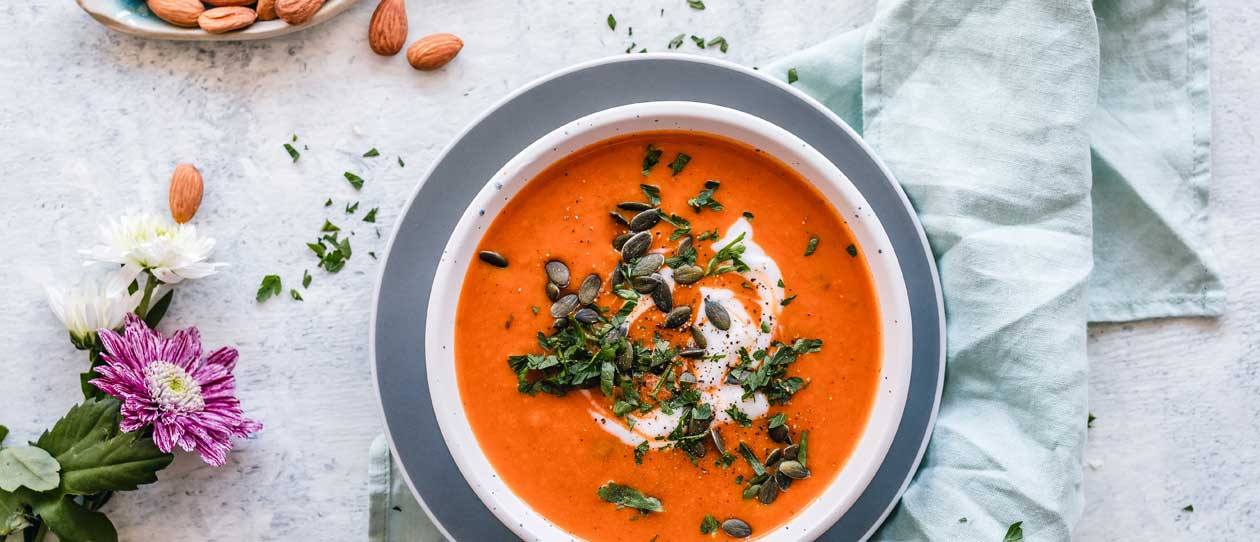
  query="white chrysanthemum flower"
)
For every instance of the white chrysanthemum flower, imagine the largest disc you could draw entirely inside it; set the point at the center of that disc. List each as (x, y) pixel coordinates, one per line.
(85, 308)
(172, 252)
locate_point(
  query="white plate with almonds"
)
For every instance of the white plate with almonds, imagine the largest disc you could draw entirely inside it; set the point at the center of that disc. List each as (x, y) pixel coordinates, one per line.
(212, 20)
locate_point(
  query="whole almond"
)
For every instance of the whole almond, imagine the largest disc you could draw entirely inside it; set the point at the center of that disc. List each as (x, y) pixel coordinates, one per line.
(177, 12)
(226, 19)
(297, 11)
(266, 10)
(221, 3)
(387, 34)
(186, 188)
(433, 52)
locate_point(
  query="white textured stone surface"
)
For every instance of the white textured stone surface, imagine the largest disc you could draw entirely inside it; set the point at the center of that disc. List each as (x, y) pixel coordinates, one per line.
(92, 122)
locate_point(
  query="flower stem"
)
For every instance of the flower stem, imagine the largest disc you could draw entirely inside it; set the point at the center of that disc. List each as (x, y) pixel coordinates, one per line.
(150, 282)
(41, 533)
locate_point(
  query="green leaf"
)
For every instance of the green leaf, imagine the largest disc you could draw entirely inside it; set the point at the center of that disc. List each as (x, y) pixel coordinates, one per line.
(371, 215)
(96, 456)
(293, 153)
(28, 466)
(371, 153)
(676, 42)
(612, 22)
(629, 497)
(354, 180)
(72, 522)
(295, 295)
(270, 286)
(852, 250)
(85, 378)
(1015, 533)
(1188, 508)
(720, 42)
(792, 77)
(709, 525)
(12, 514)
(695, 4)
(778, 420)
(650, 158)
(158, 310)
(4, 432)
(652, 193)
(811, 246)
(679, 163)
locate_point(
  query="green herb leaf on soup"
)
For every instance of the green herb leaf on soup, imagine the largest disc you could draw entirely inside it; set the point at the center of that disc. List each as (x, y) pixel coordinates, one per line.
(640, 451)
(778, 420)
(788, 300)
(709, 525)
(738, 416)
(679, 163)
(852, 250)
(629, 497)
(811, 246)
(650, 159)
(704, 200)
(652, 193)
(270, 286)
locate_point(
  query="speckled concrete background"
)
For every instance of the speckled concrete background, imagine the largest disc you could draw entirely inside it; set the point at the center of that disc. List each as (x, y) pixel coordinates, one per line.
(92, 122)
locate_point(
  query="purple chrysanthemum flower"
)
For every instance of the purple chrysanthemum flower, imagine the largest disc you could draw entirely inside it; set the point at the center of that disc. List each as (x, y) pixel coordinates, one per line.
(190, 400)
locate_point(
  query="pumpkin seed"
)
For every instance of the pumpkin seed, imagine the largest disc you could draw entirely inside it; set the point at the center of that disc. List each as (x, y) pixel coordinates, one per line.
(645, 285)
(698, 427)
(718, 443)
(493, 258)
(783, 480)
(625, 358)
(686, 245)
(557, 273)
(750, 492)
(737, 528)
(635, 206)
(645, 220)
(688, 274)
(588, 292)
(717, 314)
(780, 434)
(774, 457)
(636, 246)
(662, 297)
(794, 469)
(699, 337)
(587, 316)
(620, 240)
(687, 378)
(691, 352)
(678, 317)
(615, 334)
(647, 265)
(553, 291)
(769, 492)
(615, 279)
(694, 448)
(564, 306)
(791, 451)
(619, 219)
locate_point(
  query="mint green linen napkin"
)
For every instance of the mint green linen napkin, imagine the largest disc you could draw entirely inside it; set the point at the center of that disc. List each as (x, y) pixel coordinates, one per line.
(1058, 156)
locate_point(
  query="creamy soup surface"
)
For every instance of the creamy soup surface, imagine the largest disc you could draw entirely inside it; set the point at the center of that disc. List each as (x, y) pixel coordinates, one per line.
(635, 418)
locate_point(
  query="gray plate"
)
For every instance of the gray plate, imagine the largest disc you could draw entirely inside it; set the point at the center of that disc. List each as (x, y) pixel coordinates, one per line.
(402, 296)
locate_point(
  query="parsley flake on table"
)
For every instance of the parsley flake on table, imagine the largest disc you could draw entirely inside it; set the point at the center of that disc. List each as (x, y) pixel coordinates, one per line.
(306, 278)
(1089, 422)
(401, 163)
(720, 42)
(696, 4)
(352, 207)
(1188, 508)
(328, 203)
(293, 153)
(329, 226)
(792, 77)
(295, 295)
(371, 153)
(1015, 533)
(371, 215)
(270, 286)
(677, 41)
(699, 41)
(612, 22)
(354, 180)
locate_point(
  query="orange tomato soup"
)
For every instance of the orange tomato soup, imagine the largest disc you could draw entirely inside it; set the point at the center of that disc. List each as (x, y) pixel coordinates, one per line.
(551, 451)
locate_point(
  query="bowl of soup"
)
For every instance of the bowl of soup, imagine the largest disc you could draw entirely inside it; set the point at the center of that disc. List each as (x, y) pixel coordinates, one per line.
(668, 321)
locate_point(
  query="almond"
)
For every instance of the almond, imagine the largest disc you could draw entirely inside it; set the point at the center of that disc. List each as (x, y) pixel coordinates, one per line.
(387, 34)
(433, 52)
(266, 10)
(226, 19)
(297, 11)
(186, 188)
(221, 3)
(177, 12)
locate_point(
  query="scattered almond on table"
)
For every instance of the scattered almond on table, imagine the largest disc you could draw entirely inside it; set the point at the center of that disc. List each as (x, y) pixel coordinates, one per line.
(185, 193)
(387, 33)
(432, 52)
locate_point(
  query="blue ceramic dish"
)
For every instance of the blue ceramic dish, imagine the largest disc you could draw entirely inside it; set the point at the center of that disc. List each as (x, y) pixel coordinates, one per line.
(133, 17)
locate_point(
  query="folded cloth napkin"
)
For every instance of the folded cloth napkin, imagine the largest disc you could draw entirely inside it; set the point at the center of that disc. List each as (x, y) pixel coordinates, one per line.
(1057, 153)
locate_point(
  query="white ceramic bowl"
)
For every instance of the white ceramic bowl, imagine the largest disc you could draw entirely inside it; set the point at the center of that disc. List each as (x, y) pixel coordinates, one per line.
(133, 17)
(890, 289)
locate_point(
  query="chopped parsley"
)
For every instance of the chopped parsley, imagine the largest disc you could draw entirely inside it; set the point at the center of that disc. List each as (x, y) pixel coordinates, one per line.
(612, 22)
(677, 41)
(732, 253)
(270, 286)
(371, 153)
(765, 327)
(811, 246)
(306, 278)
(351, 208)
(778, 420)
(401, 163)
(328, 203)
(792, 77)
(371, 215)
(355, 180)
(293, 153)
(650, 159)
(720, 42)
(679, 163)
(640, 451)
(1015, 533)
(1188, 508)
(294, 293)
(331, 251)
(329, 226)
(1089, 423)
(852, 250)
(699, 41)
(682, 227)
(787, 300)
(738, 416)
(652, 193)
(710, 524)
(710, 235)
(696, 4)
(704, 200)
(629, 497)
(802, 452)
(630, 48)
